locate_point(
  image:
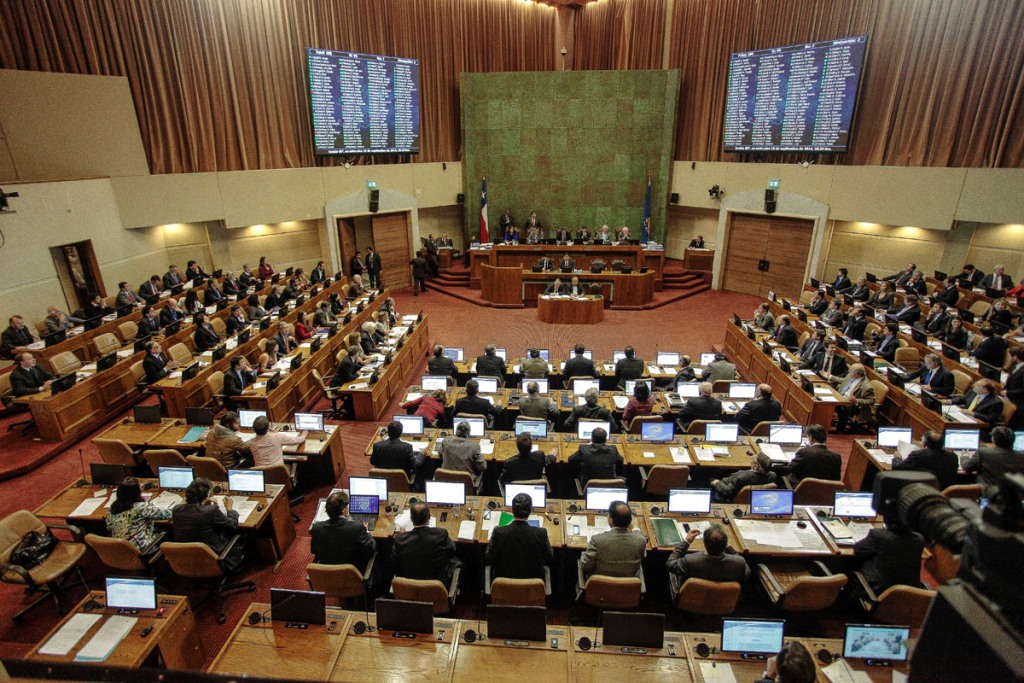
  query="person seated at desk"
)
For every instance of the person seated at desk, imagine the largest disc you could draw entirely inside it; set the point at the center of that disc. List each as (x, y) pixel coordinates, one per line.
(428, 406)
(590, 410)
(576, 288)
(584, 235)
(618, 551)
(763, 318)
(268, 359)
(931, 458)
(908, 312)
(275, 300)
(623, 235)
(191, 304)
(366, 340)
(1017, 291)
(267, 447)
(857, 389)
(301, 281)
(534, 235)
(955, 335)
(461, 453)
(472, 404)
(236, 321)
(685, 374)
(603, 234)
(149, 324)
(1013, 389)
(563, 235)
(195, 272)
(815, 460)
(971, 275)
(318, 274)
(811, 347)
(793, 664)
(200, 520)
(888, 344)
(518, 550)
(842, 281)
(833, 315)
(981, 401)
(703, 407)
(57, 321)
(640, 403)
(597, 459)
(155, 364)
(286, 342)
(933, 376)
(534, 367)
(629, 367)
(247, 278)
(991, 350)
(170, 313)
(224, 444)
(579, 365)
(172, 278)
(293, 289)
(256, 310)
(827, 362)
(338, 539)
(212, 294)
(718, 561)
(238, 377)
(999, 316)
(527, 464)
(949, 294)
(546, 263)
(379, 334)
(96, 307)
(998, 279)
(860, 291)
(697, 242)
(265, 269)
(891, 556)
(348, 368)
(557, 287)
(425, 552)
(28, 377)
(719, 368)
(324, 315)
(883, 298)
(205, 337)
(490, 364)
(356, 287)
(152, 288)
(725, 489)
(507, 235)
(131, 517)
(440, 364)
(935, 322)
(394, 454)
(916, 284)
(535, 406)
(818, 303)
(856, 324)
(763, 408)
(990, 463)
(303, 327)
(14, 337)
(231, 286)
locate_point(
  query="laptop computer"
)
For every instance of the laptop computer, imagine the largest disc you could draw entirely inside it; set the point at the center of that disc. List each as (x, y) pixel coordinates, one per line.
(129, 594)
(146, 415)
(404, 616)
(434, 382)
(247, 481)
(445, 493)
(175, 478)
(455, 354)
(516, 622)
(727, 432)
(875, 643)
(892, 437)
(309, 422)
(538, 429)
(364, 508)
(199, 416)
(654, 432)
(584, 428)
(377, 486)
(667, 358)
(689, 501)
(298, 608)
(754, 638)
(602, 498)
(771, 502)
(247, 417)
(412, 425)
(542, 385)
(634, 629)
(536, 492)
(857, 504)
(104, 474)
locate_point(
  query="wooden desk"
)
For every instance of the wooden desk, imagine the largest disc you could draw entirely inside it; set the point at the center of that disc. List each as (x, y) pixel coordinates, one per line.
(548, 516)
(698, 521)
(742, 669)
(596, 521)
(812, 543)
(878, 674)
(501, 286)
(445, 255)
(174, 636)
(699, 259)
(376, 656)
(609, 662)
(621, 291)
(493, 659)
(586, 310)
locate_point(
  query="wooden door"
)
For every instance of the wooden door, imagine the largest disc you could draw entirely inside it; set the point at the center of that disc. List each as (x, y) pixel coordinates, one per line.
(346, 242)
(391, 241)
(784, 243)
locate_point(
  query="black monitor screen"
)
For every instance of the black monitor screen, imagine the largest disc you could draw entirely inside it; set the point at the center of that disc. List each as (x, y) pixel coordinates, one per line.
(798, 98)
(363, 104)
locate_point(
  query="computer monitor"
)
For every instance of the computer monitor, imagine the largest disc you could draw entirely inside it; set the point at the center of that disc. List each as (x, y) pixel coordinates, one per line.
(727, 432)
(707, 358)
(298, 607)
(657, 431)
(538, 429)
(545, 354)
(961, 439)
(501, 353)
(617, 356)
(752, 636)
(688, 389)
(771, 502)
(247, 417)
(412, 425)
(785, 435)
(199, 416)
(871, 642)
(175, 477)
(146, 415)
(634, 629)
(364, 504)
(488, 385)
(456, 354)
(667, 358)
(405, 616)
(106, 362)
(853, 504)
(131, 593)
(106, 474)
(517, 622)
(309, 422)
(689, 501)
(536, 492)
(446, 492)
(600, 498)
(585, 427)
(477, 425)
(363, 486)
(246, 481)
(742, 390)
(630, 385)
(581, 386)
(587, 353)
(434, 382)
(542, 385)
(1018, 441)
(892, 437)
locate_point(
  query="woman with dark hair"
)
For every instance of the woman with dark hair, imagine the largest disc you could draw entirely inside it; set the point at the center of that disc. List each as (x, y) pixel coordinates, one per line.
(955, 334)
(266, 269)
(200, 520)
(275, 299)
(256, 311)
(192, 304)
(131, 518)
(268, 358)
(303, 327)
(641, 403)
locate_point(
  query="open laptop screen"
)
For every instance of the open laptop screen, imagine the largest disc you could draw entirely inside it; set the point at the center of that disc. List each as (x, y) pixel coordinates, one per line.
(853, 504)
(131, 593)
(246, 481)
(300, 607)
(864, 641)
(688, 389)
(537, 493)
(456, 354)
(488, 385)
(721, 433)
(962, 439)
(784, 435)
(771, 502)
(689, 501)
(667, 358)
(585, 427)
(309, 422)
(175, 477)
(247, 417)
(412, 425)
(602, 498)
(742, 390)
(891, 437)
(581, 386)
(364, 486)
(657, 431)
(446, 492)
(542, 385)
(538, 429)
(752, 635)
(477, 425)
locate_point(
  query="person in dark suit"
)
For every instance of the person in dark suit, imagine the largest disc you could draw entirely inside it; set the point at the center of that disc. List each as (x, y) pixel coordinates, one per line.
(629, 367)
(816, 460)
(579, 365)
(590, 410)
(860, 291)
(533, 221)
(212, 294)
(355, 264)
(998, 279)
(566, 263)
(95, 307)
(170, 313)
(598, 460)
(584, 235)
(834, 316)
(195, 272)
(718, 561)
(785, 334)
(348, 368)
(394, 454)
(556, 287)
(148, 324)
(758, 474)
(563, 235)
(999, 316)
(546, 263)
(155, 364)
(818, 304)
(884, 297)
(888, 344)
(935, 322)
(172, 277)
(29, 378)
(899, 278)
(430, 249)
(318, 274)
(814, 344)
(949, 294)
(126, 296)
(990, 463)
(908, 312)
(424, 552)
(339, 540)
(981, 401)
(518, 550)
(575, 287)
(703, 407)
(239, 376)
(205, 337)
(374, 266)
(490, 364)
(955, 335)
(151, 288)
(527, 464)
(933, 376)
(842, 281)
(200, 520)
(763, 408)
(916, 284)
(686, 373)
(991, 350)
(697, 242)
(932, 458)
(14, 337)
(419, 272)
(856, 323)
(1014, 387)
(247, 278)
(472, 404)
(972, 275)
(236, 321)
(505, 221)
(285, 341)
(827, 362)
(440, 364)
(892, 556)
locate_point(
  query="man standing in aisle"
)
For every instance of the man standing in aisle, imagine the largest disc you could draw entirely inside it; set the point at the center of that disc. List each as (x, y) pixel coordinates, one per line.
(419, 272)
(374, 266)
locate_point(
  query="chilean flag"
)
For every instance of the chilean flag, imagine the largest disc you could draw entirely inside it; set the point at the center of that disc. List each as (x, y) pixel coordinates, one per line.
(484, 234)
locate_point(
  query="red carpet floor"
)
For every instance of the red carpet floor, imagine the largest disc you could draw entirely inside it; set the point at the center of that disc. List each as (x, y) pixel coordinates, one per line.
(689, 326)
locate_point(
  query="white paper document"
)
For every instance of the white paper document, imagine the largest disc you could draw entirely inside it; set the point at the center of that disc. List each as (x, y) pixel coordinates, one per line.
(620, 401)
(486, 447)
(720, 673)
(679, 455)
(166, 500)
(705, 454)
(881, 455)
(774, 451)
(69, 634)
(106, 639)
(87, 507)
(467, 530)
(840, 672)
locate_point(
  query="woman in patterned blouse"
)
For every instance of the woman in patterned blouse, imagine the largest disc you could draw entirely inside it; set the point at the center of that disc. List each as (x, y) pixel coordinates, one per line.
(131, 518)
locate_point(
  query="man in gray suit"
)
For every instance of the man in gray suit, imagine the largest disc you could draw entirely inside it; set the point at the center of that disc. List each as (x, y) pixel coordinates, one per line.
(720, 368)
(533, 405)
(718, 562)
(461, 453)
(617, 552)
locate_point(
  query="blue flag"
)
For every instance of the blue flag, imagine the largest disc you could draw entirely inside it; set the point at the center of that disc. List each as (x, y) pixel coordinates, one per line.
(646, 227)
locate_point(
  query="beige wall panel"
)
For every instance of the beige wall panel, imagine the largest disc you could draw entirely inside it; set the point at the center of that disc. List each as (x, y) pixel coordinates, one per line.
(275, 196)
(436, 186)
(882, 249)
(442, 220)
(923, 197)
(685, 223)
(295, 243)
(66, 126)
(692, 180)
(814, 181)
(169, 198)
(7, 168)
(339, 182)
(993, 244)
(992, 195)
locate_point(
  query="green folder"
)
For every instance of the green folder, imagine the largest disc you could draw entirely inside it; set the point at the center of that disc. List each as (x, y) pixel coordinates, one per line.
(505, 519)
(665, 531)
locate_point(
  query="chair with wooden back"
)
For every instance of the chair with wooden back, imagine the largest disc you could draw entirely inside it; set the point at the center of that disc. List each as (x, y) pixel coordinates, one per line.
(881, 392)
(764, 427)
(1009, 408)
(428, 590)
(961, 380)
(215, 383)
(909, 357)
(742, 496)
(660, 478)
(121, 555)
(342, 581)
(128, 331)
(521, 592)
(811, 491)
(636, 423)
(116, 452)
(612, 592)
(979, 308)
(208, 468)
(721, 386)
(794, 588)
(598, 484)
(180, 353)
(198, 562)
(698, 427)
(105, 343)
(700, 596)
(398, 480)
(336, 412)
(64, 362)
(219, 326)
(967, 491)
(164, 457)
(905, 605)
(461, 476)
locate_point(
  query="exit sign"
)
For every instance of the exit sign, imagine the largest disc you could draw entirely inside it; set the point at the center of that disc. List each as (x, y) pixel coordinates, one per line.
(371, 184)
(774, 183)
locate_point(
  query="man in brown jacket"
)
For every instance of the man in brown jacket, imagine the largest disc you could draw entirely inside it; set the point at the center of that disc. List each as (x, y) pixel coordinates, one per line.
(224, 444)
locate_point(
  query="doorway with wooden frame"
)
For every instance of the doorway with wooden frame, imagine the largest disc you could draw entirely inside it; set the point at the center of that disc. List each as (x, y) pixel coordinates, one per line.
(390, 240)
(766, 253)
(78, 272)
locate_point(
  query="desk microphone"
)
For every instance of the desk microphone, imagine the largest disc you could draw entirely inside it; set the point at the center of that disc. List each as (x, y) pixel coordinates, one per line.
(81, 458)
(258, 617)
(362, 627)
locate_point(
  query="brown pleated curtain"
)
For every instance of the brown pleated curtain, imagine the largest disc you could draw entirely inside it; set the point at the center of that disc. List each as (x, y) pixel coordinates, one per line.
(220, 85)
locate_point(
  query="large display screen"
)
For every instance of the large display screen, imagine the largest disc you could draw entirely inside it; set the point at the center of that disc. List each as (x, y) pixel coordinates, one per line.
(363, 104)
(798, 98)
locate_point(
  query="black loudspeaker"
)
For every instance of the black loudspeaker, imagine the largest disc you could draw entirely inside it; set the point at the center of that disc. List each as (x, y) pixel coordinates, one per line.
(460, 198)
(769, 201)
(674, 198)
(374, 200)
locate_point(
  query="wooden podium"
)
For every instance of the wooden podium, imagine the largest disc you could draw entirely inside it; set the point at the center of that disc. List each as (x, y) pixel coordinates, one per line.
(699, 259)
(503, 287)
